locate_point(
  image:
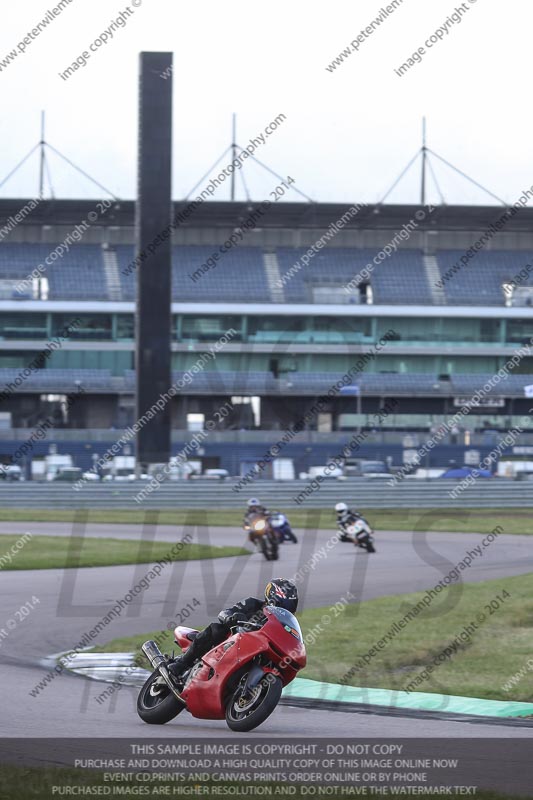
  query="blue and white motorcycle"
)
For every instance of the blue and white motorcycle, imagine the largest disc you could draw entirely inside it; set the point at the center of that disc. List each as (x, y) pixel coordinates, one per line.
(282, 527)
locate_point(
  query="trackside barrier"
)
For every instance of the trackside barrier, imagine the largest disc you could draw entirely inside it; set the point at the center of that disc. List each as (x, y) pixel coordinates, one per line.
(275, 494)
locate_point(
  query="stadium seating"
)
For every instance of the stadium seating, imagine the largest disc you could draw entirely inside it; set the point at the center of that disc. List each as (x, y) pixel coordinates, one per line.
(480, 281)
(259, 383)
(240, 275)
(79, 273)
(510, 386)
(398, 279)
(56, 380)
(400, 383)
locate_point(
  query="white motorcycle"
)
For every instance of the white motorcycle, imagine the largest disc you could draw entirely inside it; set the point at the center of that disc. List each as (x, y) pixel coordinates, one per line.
(358, 533)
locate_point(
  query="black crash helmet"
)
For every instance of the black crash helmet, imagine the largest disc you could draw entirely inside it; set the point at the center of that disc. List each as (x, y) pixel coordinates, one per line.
(282, 593)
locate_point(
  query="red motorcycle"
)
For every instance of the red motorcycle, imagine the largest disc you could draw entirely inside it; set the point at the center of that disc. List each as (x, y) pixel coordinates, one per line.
(239, 680)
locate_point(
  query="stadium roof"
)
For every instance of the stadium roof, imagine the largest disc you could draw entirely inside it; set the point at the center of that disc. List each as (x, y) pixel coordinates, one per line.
(226, 214)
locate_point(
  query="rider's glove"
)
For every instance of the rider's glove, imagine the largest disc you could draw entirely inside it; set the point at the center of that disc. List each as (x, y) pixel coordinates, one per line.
(237, 619)
(226, 618)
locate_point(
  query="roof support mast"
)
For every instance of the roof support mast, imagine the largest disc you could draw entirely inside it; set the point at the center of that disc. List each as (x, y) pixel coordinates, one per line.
(233, 152)
(424, 160)
(44, 165)
(42, 159)
(235, 149)
(425, 152)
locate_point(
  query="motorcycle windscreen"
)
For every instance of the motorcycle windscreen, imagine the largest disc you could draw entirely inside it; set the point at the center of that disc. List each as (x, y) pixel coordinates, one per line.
(285, 632)
(286, 618)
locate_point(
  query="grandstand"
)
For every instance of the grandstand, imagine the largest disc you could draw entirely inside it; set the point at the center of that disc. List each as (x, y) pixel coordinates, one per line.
(294, 336)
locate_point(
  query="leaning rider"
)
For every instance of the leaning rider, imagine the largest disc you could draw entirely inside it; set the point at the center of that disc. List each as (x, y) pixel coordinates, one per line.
(348, 516)
(279, 592)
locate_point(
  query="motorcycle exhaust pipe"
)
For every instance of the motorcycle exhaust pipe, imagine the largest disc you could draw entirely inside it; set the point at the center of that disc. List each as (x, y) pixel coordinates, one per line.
(158, 661)
(153, 654)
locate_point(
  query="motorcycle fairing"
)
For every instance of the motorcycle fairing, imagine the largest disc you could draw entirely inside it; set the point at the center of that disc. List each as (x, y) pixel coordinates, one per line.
(181, 636)
(205, 693)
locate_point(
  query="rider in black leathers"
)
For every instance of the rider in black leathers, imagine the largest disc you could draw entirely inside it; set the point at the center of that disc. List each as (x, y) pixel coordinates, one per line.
(280, 592)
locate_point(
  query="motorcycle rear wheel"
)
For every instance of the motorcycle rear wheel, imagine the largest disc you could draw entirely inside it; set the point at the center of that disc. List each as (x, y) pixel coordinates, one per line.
(268, 693)
(157, 705)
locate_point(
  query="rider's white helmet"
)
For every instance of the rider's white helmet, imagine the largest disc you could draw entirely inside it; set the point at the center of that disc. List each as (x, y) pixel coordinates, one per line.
(253, 501)
(341, 507)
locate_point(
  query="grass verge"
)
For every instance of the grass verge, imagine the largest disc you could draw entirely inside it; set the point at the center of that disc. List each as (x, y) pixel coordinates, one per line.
(458, 520)
(479, 662)
(482, 665)
(58, 552)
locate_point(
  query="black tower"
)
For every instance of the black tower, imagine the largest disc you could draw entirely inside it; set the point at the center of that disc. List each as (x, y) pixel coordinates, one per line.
(153, 251)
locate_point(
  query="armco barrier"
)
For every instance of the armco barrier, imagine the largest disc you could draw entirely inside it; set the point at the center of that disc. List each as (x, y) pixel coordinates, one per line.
(275, 494)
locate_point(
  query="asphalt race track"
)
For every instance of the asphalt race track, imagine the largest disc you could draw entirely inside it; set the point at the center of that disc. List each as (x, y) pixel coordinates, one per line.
(73, 601)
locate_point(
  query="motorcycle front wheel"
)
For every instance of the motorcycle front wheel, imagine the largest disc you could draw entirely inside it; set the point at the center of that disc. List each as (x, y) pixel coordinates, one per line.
(366, 544)
(269, 548)
(246, 713)
(274, 549)
(156, 704)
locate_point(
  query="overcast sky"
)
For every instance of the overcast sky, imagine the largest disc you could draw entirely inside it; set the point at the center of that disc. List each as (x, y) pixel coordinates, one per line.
(348, 133)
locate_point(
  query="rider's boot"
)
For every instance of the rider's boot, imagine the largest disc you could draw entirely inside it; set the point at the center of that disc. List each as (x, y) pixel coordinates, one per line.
(181, 664)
